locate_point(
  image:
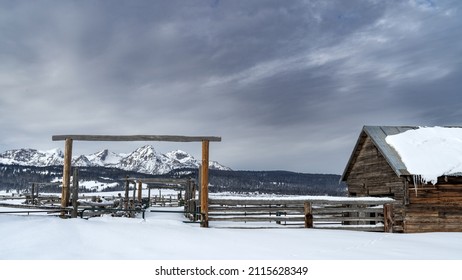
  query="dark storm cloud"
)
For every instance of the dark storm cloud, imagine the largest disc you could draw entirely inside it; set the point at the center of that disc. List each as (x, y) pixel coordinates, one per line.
(287, 84)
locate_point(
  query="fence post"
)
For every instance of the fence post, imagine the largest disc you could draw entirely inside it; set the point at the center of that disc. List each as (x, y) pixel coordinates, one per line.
(149, 197)
(140, 189)
(127, 185)
(37, 192)
(308, 215)
(75, 193)
(32, 194)
(388, 218)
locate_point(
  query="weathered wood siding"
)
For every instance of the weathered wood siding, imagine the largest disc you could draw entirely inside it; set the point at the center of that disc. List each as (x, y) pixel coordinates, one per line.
(370, 175)
(435, 207)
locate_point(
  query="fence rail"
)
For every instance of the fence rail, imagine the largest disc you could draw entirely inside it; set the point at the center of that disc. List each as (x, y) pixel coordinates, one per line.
(365, 214)
(28, 212)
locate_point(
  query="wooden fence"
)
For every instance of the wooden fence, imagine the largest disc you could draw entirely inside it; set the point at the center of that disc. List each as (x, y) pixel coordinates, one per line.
(166, 200)
(350, 213)
(191, 201)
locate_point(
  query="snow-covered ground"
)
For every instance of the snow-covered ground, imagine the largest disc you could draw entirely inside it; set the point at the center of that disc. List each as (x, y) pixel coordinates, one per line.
(165, 236)
(123, 248)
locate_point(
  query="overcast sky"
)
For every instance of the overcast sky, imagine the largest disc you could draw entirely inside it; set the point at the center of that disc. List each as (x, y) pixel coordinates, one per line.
(288, 85)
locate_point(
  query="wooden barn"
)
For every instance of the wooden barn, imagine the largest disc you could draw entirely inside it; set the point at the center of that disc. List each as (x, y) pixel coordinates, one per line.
(376, 169)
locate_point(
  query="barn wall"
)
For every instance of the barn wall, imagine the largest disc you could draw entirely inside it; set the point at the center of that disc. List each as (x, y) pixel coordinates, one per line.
(371, 175)
(435, 207)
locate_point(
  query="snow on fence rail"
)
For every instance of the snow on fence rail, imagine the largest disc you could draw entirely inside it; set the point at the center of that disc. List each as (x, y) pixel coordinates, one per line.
(365, 214)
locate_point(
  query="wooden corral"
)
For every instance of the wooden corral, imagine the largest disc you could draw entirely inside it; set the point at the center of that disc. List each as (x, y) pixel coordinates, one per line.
(34, 198)
(375, 169)
(160, 184)
(191, 201)
(205, 140)
(365, 214)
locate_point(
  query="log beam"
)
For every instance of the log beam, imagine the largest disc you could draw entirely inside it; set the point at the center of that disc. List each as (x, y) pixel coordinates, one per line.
(166, 138)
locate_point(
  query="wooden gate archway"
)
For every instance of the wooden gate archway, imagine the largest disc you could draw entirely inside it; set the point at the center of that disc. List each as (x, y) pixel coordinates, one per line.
(65, 194)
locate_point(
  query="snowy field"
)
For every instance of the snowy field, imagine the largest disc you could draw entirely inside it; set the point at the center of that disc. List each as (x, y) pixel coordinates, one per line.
(163, 236)
(123, 248)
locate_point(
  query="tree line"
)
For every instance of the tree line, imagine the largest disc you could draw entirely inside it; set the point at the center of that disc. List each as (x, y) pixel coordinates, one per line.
(20, 178)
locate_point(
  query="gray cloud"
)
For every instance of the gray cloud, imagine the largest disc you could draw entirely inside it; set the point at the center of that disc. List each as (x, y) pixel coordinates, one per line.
(287, 84)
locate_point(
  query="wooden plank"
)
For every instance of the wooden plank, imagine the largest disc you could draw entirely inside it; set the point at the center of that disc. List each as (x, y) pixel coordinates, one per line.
(166, 138)
(257, 219)
(256, 212)
(159, 181)
(414, 228)
(321, 211)
(347, 219)
(346, 201)
(256, 209)
(278, 214)
(434, 221)
(371, 228)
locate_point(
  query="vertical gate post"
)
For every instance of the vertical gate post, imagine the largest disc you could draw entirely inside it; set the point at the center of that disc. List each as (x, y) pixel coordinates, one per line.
(205, 184)
(65, 194)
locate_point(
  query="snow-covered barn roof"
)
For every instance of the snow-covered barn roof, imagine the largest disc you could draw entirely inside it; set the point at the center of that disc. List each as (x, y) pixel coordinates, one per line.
(410, 150)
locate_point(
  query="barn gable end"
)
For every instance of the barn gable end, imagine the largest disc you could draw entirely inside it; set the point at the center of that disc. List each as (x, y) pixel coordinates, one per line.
(370, 174)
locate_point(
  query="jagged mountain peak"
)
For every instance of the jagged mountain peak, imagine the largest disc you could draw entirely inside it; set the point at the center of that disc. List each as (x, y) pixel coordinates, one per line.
(55, 151)
(144, 159)
(145, 152)
(102, 154)
(179, 155)
(105, 158)
(32, 157)
(146, 149)
(81, 161)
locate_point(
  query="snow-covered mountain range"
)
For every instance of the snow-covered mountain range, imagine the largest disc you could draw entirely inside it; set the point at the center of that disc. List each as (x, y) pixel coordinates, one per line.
(144, 160)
